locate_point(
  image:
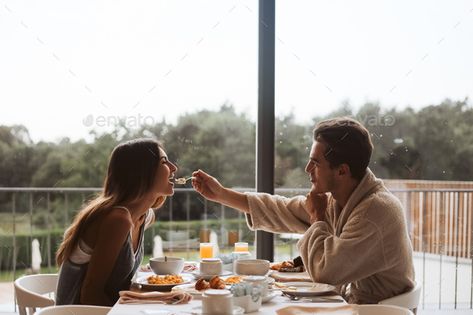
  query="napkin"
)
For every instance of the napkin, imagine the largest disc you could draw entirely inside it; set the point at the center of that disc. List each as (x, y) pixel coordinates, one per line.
(306, 310)
(291, 276)
(153, 297)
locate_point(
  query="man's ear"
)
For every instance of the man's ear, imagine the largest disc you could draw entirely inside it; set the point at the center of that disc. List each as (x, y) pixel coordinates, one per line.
(344, 170)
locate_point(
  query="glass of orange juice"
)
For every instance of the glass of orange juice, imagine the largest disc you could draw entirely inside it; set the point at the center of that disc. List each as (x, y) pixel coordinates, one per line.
(241, 247)
(206, 250)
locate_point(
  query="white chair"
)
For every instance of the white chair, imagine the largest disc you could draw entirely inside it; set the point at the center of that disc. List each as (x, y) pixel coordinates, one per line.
(377, 309)
(214, 241)
(158, 246)
(408, 300)
(30, 292)
(74, 310)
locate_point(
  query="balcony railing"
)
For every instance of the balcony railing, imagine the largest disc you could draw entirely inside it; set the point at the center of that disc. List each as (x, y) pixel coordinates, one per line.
(439, 223)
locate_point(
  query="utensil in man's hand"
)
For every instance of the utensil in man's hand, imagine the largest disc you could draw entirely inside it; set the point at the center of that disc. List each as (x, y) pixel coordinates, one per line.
(182, 180)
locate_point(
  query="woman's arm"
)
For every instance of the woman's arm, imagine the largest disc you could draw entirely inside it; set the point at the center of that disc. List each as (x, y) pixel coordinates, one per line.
(114, 231)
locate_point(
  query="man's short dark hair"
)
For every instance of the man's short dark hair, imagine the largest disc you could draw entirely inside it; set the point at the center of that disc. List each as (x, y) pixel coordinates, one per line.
(347, 141)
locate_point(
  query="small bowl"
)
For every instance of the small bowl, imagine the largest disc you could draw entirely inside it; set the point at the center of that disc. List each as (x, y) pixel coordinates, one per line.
(167, 265)
(252, 267)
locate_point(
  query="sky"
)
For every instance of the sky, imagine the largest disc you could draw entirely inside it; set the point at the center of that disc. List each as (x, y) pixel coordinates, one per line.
(68, 67)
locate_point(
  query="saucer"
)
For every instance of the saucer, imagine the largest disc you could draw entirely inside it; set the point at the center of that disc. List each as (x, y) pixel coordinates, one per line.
(236, 310)
(307, 289)
(198, 275)
(269, 297)
(142, 282)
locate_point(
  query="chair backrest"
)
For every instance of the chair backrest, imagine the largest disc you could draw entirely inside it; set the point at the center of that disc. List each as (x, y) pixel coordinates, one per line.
(377, 309)
(30, 290)
(74, 309)
(408, 300)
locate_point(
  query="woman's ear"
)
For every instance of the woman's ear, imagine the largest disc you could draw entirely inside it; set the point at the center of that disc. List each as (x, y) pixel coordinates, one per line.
(159, 202)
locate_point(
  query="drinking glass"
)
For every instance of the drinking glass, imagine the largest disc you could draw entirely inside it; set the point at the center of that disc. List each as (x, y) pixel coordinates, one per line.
(206, 250)
(241, 247)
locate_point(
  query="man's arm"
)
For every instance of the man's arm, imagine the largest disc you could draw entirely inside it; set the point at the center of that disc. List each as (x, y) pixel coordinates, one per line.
(267, 212)
(211, 189)
(356, 254)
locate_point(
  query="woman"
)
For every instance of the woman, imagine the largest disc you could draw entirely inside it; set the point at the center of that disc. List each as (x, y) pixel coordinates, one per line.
(103, 247)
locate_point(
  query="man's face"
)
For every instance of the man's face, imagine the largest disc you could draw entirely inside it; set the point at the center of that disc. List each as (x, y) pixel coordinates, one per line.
(321, 175)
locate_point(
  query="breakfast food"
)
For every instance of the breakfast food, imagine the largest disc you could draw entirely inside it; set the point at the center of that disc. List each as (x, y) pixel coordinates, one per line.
(181, 180)
(289, 266)
(217, 283)
(167, 279)
(201, 284)
(233, 279)
(214, 283)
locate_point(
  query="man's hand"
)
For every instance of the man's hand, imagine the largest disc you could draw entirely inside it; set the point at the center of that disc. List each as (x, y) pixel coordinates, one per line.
(316, 205)
(207, 186)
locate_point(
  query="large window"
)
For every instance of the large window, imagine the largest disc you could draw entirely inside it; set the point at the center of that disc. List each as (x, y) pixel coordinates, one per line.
(403, 70)
(78, 79)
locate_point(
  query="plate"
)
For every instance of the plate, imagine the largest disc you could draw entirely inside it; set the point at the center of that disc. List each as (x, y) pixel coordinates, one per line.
(307, 289)
(198, 275)
(236, 310)
(269, 297)
(189, 288)
(143, 282)
(290, 276)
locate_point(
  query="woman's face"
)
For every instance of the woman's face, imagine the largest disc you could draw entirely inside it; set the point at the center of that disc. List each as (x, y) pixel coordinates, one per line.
(164, 181)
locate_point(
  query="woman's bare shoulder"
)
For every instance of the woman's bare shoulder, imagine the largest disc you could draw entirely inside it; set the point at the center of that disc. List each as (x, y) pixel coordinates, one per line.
(117, 218)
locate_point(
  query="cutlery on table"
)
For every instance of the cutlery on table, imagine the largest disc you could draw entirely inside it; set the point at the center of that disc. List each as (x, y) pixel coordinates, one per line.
(316, 299)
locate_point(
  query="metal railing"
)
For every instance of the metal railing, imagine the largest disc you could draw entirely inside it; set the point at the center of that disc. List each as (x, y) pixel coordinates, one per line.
(440, 225)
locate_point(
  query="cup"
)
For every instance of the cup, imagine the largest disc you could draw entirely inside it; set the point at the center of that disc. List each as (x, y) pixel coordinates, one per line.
(241, 247)
(248, 303)
(206, 250)
(211, 266)
(260, 281)
(218, 302)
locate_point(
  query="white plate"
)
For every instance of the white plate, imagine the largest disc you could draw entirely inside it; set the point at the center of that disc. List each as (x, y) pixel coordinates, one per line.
(236, 310)
(189, 288)
(143, 282)
(290, 276)
(198, 275)
(269, 297)
(307, 289)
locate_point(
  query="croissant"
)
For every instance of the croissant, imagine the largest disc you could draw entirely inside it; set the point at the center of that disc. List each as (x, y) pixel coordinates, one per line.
(201, 284)
(217, 283)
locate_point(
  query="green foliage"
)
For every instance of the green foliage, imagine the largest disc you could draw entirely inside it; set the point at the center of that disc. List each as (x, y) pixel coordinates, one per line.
(51, 239)
(408, 144)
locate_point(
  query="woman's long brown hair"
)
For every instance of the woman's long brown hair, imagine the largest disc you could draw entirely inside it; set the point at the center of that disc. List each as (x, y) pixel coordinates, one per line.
(131, 174)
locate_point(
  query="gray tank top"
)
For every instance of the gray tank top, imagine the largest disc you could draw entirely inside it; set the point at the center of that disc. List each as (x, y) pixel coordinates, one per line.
(72, 274)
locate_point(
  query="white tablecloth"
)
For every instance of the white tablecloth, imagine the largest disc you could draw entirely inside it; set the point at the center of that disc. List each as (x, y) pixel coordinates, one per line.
(267, 308)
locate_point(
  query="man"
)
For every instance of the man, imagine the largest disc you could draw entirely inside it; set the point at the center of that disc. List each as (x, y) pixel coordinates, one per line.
(355, 233)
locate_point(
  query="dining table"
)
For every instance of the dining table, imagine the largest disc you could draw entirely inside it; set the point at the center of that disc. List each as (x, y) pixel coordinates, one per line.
(270, 307)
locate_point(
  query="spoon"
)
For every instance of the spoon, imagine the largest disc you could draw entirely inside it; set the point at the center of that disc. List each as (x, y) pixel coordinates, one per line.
(182, 180)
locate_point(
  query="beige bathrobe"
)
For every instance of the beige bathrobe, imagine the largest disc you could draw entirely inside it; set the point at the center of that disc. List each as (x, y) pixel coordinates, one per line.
(364, 248)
